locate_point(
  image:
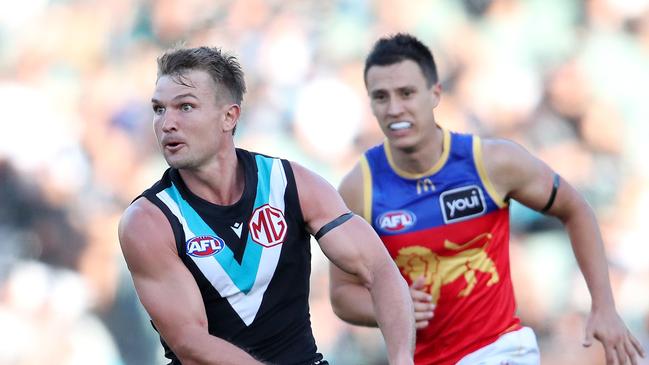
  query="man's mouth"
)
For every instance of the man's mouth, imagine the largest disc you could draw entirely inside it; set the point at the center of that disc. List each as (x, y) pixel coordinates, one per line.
(172, 145)
(397, 126)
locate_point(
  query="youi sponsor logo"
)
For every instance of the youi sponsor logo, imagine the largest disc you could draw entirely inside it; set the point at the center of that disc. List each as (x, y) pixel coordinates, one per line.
(462, 203)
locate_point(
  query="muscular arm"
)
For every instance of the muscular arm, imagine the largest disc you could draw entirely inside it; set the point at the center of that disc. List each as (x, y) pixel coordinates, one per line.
(168, 291)
(517, 174)
(355, 248)
(350, 299)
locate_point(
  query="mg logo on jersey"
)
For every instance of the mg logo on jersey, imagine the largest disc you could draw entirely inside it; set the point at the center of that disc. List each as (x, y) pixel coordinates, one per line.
(462, 203)
(204, 246)
(396, 220)
(267, 226)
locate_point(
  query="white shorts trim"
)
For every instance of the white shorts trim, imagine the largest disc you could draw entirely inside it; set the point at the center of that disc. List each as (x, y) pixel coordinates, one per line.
(513, 348)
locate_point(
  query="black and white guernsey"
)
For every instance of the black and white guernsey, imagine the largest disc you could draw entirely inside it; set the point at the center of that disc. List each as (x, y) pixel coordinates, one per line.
(251, 260)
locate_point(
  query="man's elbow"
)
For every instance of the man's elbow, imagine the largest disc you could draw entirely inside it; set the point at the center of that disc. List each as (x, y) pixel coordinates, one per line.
(188, 353)
(185, 346)
(337, 299)
(349, 305)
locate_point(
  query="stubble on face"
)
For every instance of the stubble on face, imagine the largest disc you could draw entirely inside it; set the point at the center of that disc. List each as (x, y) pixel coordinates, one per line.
(402, 103)
(190, 118)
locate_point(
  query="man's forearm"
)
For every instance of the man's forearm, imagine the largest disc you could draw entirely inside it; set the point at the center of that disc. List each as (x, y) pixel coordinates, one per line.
(352, 303)
(205, 349)
(589, 251)
(393, 308)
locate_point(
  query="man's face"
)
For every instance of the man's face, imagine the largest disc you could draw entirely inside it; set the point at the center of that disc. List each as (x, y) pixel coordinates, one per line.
(402, 103)
(191, 122)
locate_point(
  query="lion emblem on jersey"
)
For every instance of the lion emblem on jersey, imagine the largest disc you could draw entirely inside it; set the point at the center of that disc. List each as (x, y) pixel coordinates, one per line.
(438, 270)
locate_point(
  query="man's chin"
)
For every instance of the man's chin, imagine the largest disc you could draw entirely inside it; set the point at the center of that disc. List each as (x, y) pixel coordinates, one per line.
(403, 144)
(177, 163)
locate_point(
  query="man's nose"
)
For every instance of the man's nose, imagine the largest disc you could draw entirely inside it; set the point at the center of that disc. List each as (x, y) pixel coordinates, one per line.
(395, 107)
(169, 121)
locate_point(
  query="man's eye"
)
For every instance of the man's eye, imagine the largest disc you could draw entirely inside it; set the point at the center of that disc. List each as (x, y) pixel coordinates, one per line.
(379, 97)
(186, 107)
(158, 109)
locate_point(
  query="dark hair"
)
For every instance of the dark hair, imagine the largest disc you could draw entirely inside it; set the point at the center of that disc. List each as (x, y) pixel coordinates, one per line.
(222, 67)
(400, 47)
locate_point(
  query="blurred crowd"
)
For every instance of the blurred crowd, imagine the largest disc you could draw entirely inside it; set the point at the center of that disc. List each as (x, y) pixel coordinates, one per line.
(564, 78)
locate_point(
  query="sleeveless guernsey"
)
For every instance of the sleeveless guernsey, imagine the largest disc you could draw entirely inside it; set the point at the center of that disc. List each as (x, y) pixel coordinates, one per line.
(251, 260)
(450, 226)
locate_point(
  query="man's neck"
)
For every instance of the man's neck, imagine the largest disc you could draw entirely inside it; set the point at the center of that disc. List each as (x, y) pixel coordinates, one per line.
(221, 182)
(420, 159)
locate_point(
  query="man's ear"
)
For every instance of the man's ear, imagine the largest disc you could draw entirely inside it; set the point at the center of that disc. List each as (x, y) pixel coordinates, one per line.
(436, 93)
(231, 118)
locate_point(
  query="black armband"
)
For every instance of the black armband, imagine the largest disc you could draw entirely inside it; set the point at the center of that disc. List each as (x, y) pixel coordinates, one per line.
(333, 224)
(555, 186)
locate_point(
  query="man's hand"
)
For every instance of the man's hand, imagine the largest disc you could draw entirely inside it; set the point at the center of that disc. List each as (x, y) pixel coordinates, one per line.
(422, 302)
(620, 346)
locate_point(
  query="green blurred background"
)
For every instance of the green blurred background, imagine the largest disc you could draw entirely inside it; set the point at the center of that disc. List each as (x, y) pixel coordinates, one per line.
(565, 78)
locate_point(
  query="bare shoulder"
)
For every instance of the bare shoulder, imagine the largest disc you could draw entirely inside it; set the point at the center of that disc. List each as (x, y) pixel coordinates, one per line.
(352, 182)
(144, 233)
(504, 158)
(500, 154)
(514, 171)
(351, 189)
(319, 200)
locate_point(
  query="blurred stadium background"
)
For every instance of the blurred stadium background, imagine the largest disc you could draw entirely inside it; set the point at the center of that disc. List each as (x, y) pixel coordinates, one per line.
(565, 78)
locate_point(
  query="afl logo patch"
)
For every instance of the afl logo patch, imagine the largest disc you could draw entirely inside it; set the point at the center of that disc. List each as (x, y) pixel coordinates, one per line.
(204, 246)
(396, 220)
(462, 203)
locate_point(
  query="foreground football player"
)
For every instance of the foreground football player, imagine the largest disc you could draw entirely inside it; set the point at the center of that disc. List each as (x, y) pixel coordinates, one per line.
(219, 248)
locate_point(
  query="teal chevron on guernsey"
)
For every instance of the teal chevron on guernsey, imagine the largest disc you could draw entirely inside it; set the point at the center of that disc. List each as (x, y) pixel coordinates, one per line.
(242, 284)
(242, 275)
